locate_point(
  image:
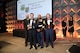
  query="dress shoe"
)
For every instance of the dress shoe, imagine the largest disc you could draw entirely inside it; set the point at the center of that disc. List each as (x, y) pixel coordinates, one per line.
(38, 45)
(41, 47)
(36, 48)
(30, 47)
(46, 46)
(25, 44)
(52, 46)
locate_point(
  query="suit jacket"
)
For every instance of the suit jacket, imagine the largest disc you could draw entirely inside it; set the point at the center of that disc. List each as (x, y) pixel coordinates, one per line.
(51, 24)
(33, 23)
(39, 24)
(26, 23)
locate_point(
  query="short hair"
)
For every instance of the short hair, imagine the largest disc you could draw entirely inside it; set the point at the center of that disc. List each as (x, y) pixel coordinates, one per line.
(32, 13)
(48, 14)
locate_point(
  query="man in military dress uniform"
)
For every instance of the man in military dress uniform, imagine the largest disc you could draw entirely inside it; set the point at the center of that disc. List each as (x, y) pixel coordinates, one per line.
(49, 30)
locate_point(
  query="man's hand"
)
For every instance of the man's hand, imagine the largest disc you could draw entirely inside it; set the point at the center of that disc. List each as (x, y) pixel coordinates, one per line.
(29, 27)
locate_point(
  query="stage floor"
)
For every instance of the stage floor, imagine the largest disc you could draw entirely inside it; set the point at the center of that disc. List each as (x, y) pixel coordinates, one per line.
(17, 45)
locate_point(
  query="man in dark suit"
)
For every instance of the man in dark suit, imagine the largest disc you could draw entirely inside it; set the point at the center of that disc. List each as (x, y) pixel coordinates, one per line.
(32, 31)
(26, 28)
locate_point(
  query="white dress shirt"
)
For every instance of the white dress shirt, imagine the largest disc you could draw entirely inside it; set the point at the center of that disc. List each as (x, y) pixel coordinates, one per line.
(31, 22)
(48, 22)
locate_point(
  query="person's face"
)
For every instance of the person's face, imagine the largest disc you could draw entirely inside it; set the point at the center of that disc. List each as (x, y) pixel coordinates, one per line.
(27, 16)
(39, 16)
(48, 16)
(31, 16)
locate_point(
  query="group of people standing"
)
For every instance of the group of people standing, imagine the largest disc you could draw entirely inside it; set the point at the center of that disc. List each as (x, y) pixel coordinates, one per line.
(36, 28)
(70, 25)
